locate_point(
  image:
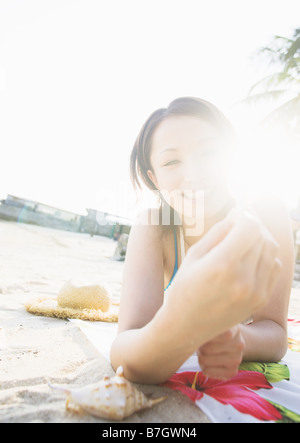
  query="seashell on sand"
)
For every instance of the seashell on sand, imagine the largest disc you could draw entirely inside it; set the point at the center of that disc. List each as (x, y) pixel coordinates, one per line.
(113, 398)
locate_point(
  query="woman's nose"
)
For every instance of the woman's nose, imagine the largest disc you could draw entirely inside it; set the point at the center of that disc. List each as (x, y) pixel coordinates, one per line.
(195, 175)
(192, 171)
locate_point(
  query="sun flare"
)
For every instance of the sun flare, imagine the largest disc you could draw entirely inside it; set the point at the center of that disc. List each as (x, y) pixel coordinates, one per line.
(266, 165)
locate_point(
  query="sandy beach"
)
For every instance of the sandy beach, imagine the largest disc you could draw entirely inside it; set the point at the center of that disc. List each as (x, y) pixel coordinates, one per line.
(36, 262)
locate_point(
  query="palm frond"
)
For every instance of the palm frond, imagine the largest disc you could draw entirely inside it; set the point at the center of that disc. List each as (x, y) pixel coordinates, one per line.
(266, 95)
(271, 81)
(297, 32)
(294, 48)
(287, 114)
(282, 52)
(297, 61)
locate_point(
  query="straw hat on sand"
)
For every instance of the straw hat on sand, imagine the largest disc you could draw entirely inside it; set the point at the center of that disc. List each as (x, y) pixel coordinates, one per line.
(76, 300)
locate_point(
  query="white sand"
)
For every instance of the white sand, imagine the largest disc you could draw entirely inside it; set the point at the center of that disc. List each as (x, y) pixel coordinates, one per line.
(34, 262)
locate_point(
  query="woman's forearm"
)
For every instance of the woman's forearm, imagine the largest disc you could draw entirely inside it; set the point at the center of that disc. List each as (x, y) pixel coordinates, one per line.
(265, 341)
(153, 353)
(215, 289)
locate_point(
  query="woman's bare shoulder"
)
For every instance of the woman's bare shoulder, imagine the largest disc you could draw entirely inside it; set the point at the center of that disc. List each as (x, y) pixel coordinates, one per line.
(147, 228)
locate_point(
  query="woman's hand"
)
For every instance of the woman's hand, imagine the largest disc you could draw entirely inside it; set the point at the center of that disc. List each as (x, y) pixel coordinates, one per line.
(233, 269)
(221, 357)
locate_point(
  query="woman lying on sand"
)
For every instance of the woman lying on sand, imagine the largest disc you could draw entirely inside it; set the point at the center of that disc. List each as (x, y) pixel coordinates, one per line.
(232, 265)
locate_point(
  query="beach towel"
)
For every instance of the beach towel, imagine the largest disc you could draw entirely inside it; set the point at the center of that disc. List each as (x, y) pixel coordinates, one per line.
(260, 392)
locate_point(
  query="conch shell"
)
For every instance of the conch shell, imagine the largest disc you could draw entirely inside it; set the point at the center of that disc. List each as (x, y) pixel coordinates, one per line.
(113, 398)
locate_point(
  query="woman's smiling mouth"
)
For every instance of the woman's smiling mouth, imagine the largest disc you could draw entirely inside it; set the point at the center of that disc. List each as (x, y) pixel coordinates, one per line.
(197, 195)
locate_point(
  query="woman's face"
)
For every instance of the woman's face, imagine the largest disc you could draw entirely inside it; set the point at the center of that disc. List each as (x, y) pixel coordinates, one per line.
(189, 160)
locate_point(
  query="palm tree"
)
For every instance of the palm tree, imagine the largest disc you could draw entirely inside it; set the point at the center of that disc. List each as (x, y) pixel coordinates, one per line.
(284, 54)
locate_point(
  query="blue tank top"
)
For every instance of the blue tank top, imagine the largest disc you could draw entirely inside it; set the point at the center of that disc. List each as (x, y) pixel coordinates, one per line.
(176, 260)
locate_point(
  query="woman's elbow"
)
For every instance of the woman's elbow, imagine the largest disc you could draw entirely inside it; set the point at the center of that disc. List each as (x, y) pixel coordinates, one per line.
(119, 356)
(136, 368)
(282, 347)
(116, 356)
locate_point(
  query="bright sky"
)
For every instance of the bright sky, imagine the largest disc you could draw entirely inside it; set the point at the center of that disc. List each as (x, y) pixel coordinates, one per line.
(79, 77)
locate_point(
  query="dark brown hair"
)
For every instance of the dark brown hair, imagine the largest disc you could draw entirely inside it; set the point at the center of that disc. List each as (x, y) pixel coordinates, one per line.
(186, 106)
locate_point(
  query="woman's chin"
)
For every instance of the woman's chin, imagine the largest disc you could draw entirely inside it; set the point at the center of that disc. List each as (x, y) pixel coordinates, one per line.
(206, 207)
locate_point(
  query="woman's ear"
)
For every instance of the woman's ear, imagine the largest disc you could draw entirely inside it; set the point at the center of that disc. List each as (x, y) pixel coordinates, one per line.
(152, 177)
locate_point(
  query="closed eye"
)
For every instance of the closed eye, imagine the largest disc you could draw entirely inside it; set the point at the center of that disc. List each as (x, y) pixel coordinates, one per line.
(172, 163)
